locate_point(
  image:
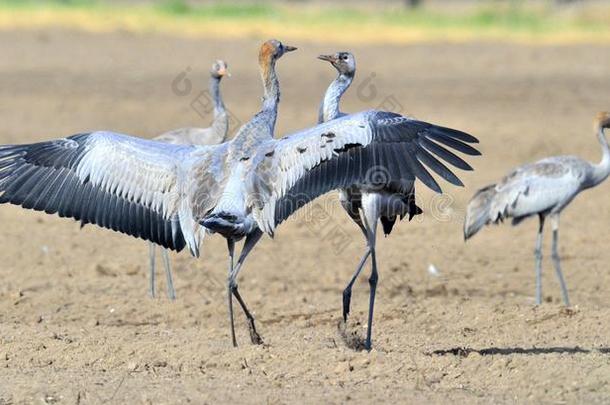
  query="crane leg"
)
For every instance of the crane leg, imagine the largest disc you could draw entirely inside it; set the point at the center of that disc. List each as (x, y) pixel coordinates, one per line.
(151, 259)
(373, 286)
(538, 257)
(557, 260)
(347, 293)
(231, 247)
(171, 292)
(251, 241)
(370, 215)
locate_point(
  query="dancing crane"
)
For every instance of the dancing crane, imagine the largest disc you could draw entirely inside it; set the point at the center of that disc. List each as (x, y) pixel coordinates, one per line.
(239, 189)
(366, 205)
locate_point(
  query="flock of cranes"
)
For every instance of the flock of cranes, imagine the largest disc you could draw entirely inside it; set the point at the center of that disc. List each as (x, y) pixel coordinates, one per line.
(215, 134)
(174, 190)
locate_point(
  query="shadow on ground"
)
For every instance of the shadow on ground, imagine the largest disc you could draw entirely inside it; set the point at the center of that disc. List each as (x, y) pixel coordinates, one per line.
(507, 351)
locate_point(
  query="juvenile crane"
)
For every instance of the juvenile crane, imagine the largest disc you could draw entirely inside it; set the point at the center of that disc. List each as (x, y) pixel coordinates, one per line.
(213, 135)
(543, 188)
(395, 204)
(164, 193)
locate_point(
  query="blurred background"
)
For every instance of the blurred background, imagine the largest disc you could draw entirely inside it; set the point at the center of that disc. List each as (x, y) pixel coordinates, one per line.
(387, 20)
(525, 77)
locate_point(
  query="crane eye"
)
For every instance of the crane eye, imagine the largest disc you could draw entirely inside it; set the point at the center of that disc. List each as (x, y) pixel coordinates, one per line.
(344, 57)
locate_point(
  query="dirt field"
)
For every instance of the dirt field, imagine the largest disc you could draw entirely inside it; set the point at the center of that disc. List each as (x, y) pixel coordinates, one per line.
(77, 326)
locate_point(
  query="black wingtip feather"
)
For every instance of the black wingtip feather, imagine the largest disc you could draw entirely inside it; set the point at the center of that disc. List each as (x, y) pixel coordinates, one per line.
(453, 143)
(444, 154)
(457, 134)
(439, 168)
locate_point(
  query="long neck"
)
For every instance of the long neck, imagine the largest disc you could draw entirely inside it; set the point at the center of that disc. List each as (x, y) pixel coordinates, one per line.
(220, 125)
(219, 106)
(329, 109)
(271, 96)
(602, 169)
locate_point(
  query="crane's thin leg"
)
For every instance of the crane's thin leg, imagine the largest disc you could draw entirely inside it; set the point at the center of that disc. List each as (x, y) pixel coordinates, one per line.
(373, 286)
(347, 293)
(557, 260)
(371, 214)
(251, 241)
(171, 292)
(354, 214)
(231, 246)
(538, 256)
(151, 258)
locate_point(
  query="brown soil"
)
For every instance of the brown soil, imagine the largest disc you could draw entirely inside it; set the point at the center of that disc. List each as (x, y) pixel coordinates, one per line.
(76, 325)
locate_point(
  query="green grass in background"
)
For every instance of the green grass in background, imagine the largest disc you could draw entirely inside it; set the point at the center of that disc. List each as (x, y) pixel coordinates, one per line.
(510, 16)
(220, 10)
(47, 3)
(492, 14)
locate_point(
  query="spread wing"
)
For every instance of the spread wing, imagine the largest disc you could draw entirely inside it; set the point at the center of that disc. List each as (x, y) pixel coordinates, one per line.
(372, 148)
(126, 184)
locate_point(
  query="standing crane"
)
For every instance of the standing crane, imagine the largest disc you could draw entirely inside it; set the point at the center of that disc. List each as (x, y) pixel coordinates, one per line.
(239, 189)
(543, 188)
(215, 134)
(351, 198)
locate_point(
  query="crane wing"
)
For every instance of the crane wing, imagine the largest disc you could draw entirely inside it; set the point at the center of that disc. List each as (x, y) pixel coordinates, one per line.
(371, 148)
(126, 184)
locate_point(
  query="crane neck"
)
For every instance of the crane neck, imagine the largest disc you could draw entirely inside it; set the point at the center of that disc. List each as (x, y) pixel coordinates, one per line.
(329, 110)
(219, 106)
(220, 125)
(602, 169)
(271, 95)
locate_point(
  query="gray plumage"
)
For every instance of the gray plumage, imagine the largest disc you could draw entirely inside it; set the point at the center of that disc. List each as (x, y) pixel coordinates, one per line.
(215, 134)
(117, 182)
(218, 131)
(168, 194)
(401, 147)
(543, 188)
(345, 63)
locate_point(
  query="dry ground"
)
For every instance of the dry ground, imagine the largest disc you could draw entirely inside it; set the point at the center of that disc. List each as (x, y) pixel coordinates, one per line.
(76, 325)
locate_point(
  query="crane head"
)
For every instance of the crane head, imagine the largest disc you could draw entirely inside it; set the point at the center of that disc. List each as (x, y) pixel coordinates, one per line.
(344, 62)
(220, 68)
(272, 50)
(602, 120)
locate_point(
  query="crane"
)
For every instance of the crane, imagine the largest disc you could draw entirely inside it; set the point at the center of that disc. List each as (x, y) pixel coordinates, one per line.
(216, 133)
(366, 205)
(543, 188)
(239, 189)
(351, 198)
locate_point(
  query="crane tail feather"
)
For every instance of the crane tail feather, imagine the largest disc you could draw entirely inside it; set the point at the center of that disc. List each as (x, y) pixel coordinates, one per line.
(478, 211)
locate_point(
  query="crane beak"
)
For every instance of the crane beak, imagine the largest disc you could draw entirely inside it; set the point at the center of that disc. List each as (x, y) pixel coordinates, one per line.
(328, 58)
(288, 48)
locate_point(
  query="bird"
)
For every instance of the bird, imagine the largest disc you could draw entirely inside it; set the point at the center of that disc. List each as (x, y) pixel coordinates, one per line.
(544, 188)
(168, 194)
(242, 188)
(215, 134)
(345, 63)
(352, 198)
